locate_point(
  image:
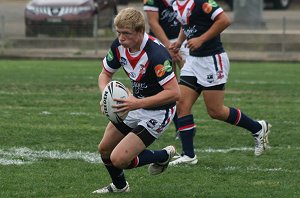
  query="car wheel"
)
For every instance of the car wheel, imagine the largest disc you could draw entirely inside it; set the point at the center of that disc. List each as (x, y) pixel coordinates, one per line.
(281, 4)
(30, 32)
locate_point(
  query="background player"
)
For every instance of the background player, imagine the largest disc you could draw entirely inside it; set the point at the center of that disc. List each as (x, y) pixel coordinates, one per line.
(165, 27)
(206, 71)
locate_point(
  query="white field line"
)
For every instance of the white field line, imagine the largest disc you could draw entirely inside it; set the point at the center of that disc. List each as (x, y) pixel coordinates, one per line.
(254, 169)
(71, 113)
(212, 150)
(22, 156)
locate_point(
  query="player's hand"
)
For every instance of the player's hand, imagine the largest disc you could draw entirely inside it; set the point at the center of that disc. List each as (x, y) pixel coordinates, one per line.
(194, 43)
(174, 47)
(176, 57)
(127, 104)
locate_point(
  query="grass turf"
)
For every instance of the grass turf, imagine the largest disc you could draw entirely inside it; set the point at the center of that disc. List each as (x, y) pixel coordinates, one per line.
(52, 106)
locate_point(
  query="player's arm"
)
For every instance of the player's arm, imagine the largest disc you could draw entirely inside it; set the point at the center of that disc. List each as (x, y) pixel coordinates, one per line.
(221, 22)
(104, 78)
(153, 21)
(176, 45)
(171, 93)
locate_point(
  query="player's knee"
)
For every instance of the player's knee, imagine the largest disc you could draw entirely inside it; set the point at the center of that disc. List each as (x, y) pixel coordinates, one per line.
(103, 150)
(214, 114)
(119, 162)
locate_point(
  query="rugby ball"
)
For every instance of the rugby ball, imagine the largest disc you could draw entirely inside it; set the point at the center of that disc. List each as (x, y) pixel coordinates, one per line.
(113, 89)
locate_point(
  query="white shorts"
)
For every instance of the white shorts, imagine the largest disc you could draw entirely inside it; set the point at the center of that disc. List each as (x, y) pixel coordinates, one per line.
(209, 70)
(155, 121)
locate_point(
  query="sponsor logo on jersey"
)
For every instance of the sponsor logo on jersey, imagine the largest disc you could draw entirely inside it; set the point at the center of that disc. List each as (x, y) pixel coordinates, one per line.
(138, 88)
(149, 2)
(110, 55)
(123, 61)
(189, 33)
(132, 74)
(167, 66)
(207, 8)
(159, 70)
(213, 3)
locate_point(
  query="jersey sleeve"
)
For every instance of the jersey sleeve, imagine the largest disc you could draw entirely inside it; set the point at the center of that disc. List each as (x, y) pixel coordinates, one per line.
(163, 68)
(150, 5)
(110, 62)
(211, 8)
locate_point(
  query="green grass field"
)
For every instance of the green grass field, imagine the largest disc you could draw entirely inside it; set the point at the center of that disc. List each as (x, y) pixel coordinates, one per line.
(50, 126)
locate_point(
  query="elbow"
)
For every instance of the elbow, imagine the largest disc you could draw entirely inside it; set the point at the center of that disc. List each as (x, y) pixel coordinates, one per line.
(229, 22)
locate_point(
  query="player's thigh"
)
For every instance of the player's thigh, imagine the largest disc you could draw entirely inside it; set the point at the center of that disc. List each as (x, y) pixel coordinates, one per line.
(186, 101)
(127, 149)
(112, 136)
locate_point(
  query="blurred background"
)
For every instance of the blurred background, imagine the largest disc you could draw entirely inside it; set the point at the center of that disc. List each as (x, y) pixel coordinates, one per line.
(261, 29)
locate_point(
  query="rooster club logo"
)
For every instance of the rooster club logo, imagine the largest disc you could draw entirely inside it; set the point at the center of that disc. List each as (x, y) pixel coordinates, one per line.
(210, 78)
(151, 123)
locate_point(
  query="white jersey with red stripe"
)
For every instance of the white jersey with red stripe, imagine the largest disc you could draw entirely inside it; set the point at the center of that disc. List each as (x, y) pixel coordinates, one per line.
(148, 69)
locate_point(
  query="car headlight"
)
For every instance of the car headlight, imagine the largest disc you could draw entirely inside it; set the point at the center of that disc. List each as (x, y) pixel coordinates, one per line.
(31, 8)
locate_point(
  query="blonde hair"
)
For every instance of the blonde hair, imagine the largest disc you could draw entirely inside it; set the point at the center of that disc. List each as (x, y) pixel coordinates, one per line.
(130, 18)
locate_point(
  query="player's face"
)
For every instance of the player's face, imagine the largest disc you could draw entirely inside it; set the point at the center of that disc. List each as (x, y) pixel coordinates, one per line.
(129, 38)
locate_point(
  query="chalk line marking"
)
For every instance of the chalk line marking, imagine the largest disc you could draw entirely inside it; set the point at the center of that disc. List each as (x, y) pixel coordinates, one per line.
(19, 156)
(23, 155)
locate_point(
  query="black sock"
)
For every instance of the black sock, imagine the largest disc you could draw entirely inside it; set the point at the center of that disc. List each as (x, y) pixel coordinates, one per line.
(236, 117)
(186, 127)
(116, 174)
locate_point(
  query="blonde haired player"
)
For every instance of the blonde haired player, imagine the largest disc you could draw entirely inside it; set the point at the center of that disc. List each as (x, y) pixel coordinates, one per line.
(151, 107)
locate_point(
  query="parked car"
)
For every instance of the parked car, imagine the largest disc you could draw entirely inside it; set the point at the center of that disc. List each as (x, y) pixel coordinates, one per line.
(68, 17)
(277, 4)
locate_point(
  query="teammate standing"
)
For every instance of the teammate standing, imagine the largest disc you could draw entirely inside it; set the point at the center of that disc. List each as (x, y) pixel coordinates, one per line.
(151, 107)
(165, 27)
(205, 71)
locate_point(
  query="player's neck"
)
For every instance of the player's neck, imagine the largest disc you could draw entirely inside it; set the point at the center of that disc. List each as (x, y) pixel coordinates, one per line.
(137, 46)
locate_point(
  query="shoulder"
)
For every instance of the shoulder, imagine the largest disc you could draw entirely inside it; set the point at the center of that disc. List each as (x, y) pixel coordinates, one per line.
(115, 44)
(156, 50)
